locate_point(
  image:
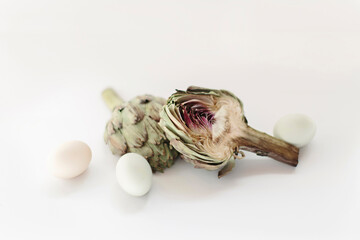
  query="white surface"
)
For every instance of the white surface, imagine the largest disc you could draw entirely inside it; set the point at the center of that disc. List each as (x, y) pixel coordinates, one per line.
(297, 129)
(278, 56)
(134, 174)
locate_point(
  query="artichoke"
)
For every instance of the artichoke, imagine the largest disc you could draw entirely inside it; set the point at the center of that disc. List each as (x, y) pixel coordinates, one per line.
(134, 127)
(208, 128)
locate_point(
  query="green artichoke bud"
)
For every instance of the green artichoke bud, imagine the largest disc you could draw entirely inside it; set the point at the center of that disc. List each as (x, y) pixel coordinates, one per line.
(134, 127)
(208, 128)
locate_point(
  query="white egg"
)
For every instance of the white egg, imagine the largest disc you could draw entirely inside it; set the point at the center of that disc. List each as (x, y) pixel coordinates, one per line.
(296, 129)
(70, 159)
(133, 173)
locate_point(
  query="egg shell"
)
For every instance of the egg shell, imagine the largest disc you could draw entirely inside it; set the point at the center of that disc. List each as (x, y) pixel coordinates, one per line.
(70, 159)
(296, 129)
(134, 174)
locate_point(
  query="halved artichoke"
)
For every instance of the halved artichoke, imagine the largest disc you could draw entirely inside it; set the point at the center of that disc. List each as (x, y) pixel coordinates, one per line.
(208, 127)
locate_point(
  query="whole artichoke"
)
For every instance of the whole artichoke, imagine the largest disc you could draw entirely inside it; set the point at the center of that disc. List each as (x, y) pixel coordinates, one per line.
(208, 128)
(134, 127)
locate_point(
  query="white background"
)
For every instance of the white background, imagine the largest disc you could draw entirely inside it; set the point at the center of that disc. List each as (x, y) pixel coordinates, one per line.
(278, 56)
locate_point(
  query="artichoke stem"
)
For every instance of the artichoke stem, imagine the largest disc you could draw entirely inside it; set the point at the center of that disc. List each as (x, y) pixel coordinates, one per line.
(265, 145)
(111, 98)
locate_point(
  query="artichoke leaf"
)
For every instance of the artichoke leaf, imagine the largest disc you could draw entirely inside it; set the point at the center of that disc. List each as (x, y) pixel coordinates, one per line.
(227, 168)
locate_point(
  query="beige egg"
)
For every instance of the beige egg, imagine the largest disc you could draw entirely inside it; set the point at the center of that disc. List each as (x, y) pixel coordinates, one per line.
(70, 159)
